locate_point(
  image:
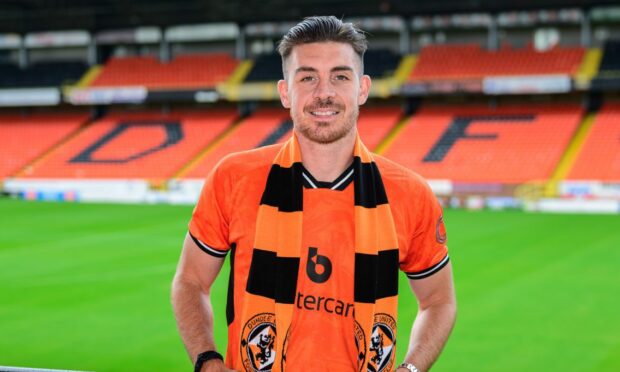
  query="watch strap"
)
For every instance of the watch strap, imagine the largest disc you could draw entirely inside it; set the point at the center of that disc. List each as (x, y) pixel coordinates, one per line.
(206, 356)
(410, 367)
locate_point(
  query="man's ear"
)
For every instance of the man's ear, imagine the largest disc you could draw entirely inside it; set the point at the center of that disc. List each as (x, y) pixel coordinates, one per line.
(283, 90)
(365, 84)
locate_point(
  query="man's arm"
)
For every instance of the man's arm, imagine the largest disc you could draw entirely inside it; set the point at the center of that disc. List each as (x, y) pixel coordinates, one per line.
(191, 287)
(435, 319)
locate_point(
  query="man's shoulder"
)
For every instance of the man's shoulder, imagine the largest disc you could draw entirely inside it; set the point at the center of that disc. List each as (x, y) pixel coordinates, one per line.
(394, 173)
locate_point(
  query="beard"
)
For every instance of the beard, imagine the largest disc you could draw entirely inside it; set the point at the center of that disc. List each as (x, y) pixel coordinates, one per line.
(325, 132)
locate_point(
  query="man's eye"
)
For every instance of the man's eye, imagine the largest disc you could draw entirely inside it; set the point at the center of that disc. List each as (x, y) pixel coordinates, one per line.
(342, 77)
(306, 78)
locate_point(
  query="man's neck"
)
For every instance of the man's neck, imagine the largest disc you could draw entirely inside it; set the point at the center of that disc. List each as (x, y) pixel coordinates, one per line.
(327, 161)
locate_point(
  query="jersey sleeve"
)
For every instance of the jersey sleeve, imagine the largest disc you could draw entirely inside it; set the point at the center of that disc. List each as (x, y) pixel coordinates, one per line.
(427, 252)
(209, 224)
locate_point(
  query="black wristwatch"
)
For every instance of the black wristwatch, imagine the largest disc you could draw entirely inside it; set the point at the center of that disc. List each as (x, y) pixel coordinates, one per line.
(206, 356)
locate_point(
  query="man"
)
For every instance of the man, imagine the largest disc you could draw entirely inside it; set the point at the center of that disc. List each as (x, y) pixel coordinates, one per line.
(317, 230)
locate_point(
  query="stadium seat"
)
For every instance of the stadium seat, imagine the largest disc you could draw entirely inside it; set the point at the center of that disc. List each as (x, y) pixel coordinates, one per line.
(24, 138)
(183, 72)
(599, 158)
(481, 145)
(437, 62)
(126, 145)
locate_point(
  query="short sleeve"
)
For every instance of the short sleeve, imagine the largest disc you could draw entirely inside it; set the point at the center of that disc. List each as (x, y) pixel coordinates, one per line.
(209, 224)
(427, 252)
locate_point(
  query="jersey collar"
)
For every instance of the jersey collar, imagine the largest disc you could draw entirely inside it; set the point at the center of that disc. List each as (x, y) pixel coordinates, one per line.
(339, 183)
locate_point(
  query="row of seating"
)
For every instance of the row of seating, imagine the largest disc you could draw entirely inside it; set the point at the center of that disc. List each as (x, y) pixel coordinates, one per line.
(512, 144)
(439, 62)
(435, 62)
(183, 72)
(378, 63)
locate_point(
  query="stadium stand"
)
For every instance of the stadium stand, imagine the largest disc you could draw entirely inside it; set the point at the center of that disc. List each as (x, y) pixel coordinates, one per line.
(437, 62)
(478, 144)
(24, 138)
(378, 63)
(183, 72)
(264, 127)
(599, 158)
(375, 123)
(126, 145)
(41, 74)
(268, 126)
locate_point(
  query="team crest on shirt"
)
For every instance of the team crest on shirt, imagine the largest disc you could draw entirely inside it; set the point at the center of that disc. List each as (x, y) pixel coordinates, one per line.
(360, 344)
(382, 344)
(440, 231)
(285, 348)
(258, 341)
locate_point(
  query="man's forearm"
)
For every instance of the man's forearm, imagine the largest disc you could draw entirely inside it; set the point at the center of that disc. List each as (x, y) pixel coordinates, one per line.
(194, 316)
(429, 334)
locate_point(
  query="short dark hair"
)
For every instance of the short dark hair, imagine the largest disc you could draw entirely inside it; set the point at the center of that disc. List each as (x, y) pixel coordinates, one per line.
(322, 29)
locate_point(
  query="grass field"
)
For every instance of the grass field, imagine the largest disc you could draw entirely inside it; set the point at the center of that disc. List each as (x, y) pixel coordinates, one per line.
(87, 287)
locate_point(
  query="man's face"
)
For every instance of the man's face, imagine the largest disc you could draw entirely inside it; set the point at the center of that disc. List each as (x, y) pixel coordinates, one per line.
(323, 90)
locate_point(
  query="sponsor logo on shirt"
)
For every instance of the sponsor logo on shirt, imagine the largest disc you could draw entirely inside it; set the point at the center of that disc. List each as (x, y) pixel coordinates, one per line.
(318, 268)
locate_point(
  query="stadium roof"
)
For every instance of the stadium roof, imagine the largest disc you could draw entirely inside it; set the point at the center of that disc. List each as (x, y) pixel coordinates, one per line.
(23, 16)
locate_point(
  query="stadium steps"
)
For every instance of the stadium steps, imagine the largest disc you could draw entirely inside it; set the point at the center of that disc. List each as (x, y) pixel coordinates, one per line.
(208, 149)
(45, 155)
(392, 135)
(599, 157)
(570, 155)
(589, 67)
(389, 85)
(89, 76)
(232, 87)
(251, 132)
(241, 72)
(407, 64)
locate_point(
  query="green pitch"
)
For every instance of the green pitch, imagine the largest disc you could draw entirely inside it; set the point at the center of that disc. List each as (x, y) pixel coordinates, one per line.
(87, 287)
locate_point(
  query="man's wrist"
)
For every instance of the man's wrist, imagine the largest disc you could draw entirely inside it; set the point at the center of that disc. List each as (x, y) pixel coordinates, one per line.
(205, 357)
(407, 367)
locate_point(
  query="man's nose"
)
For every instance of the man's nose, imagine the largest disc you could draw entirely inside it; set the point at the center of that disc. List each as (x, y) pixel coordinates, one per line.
(324, 89)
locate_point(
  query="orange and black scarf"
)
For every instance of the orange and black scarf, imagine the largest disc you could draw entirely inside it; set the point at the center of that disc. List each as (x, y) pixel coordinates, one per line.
(272, 280)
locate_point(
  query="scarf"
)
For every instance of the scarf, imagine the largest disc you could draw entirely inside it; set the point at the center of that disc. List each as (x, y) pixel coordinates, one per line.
(272, 279)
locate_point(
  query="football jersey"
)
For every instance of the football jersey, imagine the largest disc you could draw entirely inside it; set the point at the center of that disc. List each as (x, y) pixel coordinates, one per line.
(323, 332)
